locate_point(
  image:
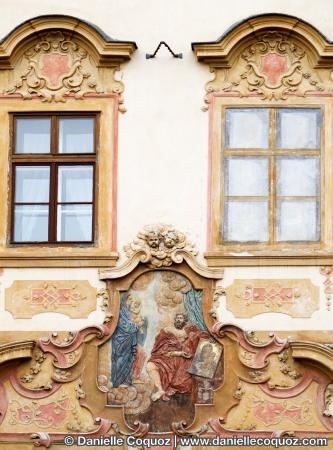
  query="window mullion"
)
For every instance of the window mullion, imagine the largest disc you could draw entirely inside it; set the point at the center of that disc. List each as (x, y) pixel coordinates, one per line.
(53, 187)
(54, 135)
(272, 176)
(53, 202)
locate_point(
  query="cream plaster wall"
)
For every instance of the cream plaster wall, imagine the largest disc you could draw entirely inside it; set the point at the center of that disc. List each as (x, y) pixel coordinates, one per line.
(163, 137)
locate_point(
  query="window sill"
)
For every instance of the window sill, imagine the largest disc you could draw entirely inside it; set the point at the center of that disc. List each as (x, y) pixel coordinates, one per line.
(30, 260)
(308, 257)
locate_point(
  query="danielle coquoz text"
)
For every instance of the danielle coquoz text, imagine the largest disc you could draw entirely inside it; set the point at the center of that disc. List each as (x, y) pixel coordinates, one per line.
(217, 441)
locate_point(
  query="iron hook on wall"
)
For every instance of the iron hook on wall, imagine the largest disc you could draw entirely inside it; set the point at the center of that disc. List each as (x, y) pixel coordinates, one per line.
(152, 55)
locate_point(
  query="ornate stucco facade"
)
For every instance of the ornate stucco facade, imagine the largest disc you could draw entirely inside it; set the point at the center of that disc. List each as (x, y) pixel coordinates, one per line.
(159, 246)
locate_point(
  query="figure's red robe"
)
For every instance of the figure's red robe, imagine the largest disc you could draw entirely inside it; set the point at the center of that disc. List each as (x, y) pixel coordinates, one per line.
(173, 370)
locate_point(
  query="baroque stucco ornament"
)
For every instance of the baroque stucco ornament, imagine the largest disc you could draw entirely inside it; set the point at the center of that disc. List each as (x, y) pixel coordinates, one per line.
(55, 66)
(161, 245)
(268, 56)
(57, 57)
(273, 67)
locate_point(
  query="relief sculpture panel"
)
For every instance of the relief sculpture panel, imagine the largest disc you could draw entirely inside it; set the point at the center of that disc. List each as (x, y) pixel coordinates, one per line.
(53, 67)
(162, 359)
(55, 58)
(272, 57)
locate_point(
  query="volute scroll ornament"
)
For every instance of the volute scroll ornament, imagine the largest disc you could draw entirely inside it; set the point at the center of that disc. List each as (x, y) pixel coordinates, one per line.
(160, 246)
(55, 66)
(58, 57)
(268, 56)
(273, 67)
(328, 412)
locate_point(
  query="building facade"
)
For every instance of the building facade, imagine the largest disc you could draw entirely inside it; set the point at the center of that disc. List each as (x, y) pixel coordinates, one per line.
(166, 236)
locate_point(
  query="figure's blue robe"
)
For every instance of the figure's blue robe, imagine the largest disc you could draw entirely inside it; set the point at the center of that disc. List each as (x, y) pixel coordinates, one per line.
(124, 341)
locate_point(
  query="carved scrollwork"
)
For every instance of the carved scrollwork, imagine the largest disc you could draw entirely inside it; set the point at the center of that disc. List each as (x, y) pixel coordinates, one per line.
(179, 428)
(239, 392)
(219, 292)
(62, 375)
(140, 430)
(258, 376)
(160, 246)
(327, 272)
(268, 56)
(61, 348)
(55, 66)
(328, 412)
(287, 365)
(252, 354)
(273, 67)
(253, 338)
(39, 358)
(103, 294)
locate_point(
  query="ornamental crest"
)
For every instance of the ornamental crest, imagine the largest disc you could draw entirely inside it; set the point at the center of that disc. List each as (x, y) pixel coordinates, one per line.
(161, 245)
(54, 67)
(274, 66)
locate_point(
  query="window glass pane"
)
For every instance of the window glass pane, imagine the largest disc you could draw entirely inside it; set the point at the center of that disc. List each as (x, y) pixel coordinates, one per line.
(75, 183)
(76, 135)
(245, 221)
(31, 223)
(246, 176)
(247, 128)
(32, 184)
(33, 135)
(298, 128)
(298, 220)
(298, 176)
(74, 223)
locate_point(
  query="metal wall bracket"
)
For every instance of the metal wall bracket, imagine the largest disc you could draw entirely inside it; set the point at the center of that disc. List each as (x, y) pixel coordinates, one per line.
(152, 55)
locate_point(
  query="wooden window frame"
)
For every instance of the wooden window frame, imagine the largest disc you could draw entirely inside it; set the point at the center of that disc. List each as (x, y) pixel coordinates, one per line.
(272, 152)
(221, 253)
(54, 160)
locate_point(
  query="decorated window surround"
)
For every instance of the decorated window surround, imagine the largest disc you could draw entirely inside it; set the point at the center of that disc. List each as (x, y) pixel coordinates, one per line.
(305, 81)
(219, 104)
(103, 252)
(83, 81)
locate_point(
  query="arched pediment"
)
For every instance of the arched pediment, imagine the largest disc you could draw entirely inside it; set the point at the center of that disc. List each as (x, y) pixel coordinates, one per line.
(105, 47)
(270, 55)
(57, 56)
